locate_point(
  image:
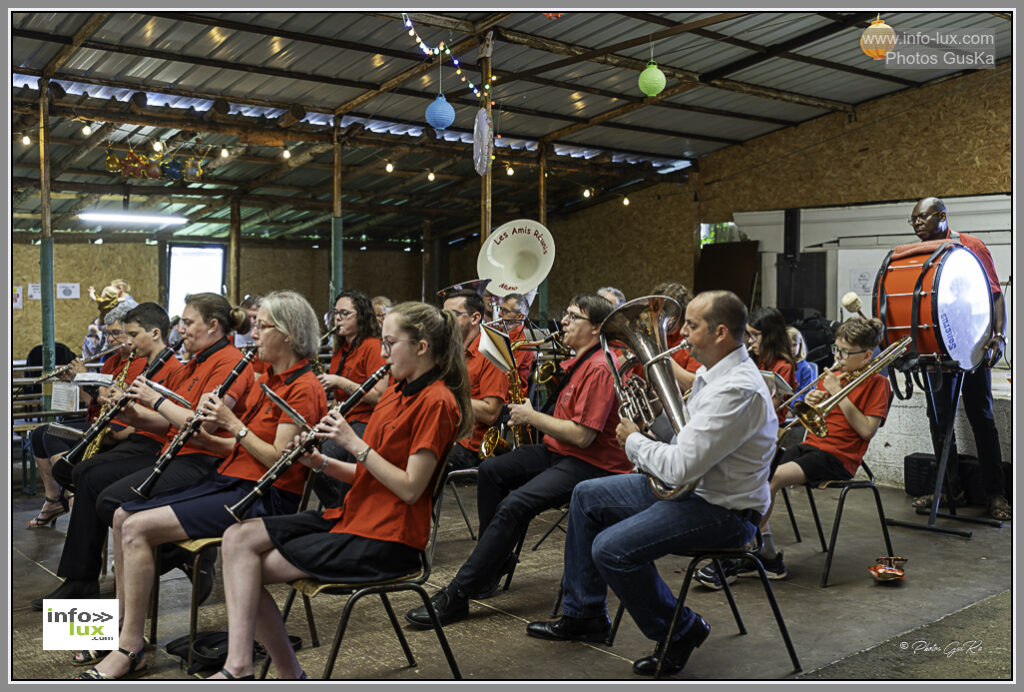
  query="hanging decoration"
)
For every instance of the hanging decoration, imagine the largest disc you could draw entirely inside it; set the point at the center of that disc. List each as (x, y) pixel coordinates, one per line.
(878, 39)
(113, 163)
(483, 141)
(440, 114)
(160, 165)
(651, 80)
(193, 170)
(133, 165)
(437, 50)
(552, 15)
(172, 170)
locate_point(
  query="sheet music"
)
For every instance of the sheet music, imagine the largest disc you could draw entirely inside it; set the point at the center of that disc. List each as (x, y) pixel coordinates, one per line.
(64, 397)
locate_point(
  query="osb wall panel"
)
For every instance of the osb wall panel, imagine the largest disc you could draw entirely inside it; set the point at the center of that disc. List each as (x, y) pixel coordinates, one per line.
(375, 272)
(632, 248)
(87, 265)
(951, 138)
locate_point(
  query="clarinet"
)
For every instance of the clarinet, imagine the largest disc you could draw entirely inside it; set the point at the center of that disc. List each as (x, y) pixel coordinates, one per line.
(99, 426)
(242, 507)
(189, 429)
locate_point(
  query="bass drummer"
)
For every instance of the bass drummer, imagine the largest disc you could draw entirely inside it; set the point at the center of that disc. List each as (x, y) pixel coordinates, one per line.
(931, 223)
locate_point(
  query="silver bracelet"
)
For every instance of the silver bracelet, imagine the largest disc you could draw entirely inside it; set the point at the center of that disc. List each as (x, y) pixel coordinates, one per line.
(322, 467)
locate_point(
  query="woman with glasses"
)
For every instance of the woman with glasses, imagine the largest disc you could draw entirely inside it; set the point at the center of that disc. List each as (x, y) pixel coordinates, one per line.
(851, 425)
(769, 346)
(384, 523)
(578, 444)
(286, 334)
(357, 355)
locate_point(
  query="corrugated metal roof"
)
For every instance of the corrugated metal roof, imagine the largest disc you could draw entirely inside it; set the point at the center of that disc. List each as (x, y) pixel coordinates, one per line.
(262, 62)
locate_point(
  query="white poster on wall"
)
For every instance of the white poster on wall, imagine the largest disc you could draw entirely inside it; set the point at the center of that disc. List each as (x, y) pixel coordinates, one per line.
(35, 292)
(68, 291)
(17, 297)
(862, 281)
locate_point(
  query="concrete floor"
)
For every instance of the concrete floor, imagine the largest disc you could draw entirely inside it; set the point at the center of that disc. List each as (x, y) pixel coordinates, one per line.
(854, 616)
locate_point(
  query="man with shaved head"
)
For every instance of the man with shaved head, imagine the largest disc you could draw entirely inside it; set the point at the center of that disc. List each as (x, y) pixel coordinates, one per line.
(930, 222)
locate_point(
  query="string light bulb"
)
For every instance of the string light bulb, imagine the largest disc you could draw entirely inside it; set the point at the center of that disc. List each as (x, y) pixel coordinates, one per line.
(625, 201)
(509, 170)
(586, 193)
(286, 154)
(26, 140)
(158, 146)
(389, 167)
(431, 176)
(224, 153)
(87, 130)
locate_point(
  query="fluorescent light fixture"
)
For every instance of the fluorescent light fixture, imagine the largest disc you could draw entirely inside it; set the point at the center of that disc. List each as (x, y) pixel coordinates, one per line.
(130, 218)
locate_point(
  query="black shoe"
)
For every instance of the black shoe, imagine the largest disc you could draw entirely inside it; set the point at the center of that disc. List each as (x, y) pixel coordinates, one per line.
(678, 651)
(568, 629)
(71, 588)
(708, 575)
(451, 606)
(510, 564)
(207, 572)
(774, 568)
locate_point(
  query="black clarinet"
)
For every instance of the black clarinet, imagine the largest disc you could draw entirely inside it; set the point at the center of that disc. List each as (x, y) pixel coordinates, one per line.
(189, 429)
(76, 453)
(242, 507)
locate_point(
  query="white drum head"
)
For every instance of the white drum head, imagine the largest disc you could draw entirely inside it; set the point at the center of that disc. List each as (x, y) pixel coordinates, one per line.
(516, 257)
(963, 307)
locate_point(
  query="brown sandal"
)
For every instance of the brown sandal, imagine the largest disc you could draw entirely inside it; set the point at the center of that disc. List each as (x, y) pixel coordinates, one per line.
(925, 501)
(999, 509)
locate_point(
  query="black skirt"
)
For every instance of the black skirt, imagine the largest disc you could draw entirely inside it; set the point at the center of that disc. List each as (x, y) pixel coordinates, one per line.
(305, 541)
(202, 509)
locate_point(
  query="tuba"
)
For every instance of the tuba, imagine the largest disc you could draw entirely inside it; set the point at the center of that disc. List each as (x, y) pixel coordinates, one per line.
(642, 325)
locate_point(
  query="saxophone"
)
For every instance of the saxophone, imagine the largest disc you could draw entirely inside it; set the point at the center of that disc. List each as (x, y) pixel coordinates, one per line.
(493, 443)
(94, 446)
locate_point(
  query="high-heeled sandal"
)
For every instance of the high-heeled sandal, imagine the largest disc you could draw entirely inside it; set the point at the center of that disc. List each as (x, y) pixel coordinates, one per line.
(48, 519)
(135, 670)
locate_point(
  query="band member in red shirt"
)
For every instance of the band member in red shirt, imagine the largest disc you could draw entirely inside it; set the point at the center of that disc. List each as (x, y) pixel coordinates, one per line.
(384, 523)
(769, 345)
(578, 444)
(46, 447)
(930, 222)
(287, 337)
(487, 384)
(356, 357)
(512, 312)
(147, 326)
(684, 366)
(851, 425)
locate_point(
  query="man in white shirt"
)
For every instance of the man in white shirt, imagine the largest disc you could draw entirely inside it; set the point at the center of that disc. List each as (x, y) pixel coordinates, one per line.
(617, 528)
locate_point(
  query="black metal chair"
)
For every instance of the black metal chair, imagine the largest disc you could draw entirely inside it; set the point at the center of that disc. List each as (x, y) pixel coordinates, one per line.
(310, 588)
(449, 480)
(846, 486)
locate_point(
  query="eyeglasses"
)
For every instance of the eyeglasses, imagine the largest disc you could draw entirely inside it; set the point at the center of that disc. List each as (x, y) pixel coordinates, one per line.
(264, 325)
(573, 316)
(508, 312)
(115, 333)
(923, 218)
(387, 344)
(343, 314)
(844, 354)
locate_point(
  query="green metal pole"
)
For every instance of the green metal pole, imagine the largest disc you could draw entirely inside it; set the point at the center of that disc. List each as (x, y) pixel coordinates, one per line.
(337, 238)
(46, 243)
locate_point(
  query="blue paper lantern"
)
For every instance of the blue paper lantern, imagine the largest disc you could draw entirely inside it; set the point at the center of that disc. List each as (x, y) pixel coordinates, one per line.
(440, 113)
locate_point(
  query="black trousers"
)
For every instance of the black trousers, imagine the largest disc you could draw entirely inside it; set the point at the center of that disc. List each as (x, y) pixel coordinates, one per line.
(103, 483)
(511, 490)
(977, 397)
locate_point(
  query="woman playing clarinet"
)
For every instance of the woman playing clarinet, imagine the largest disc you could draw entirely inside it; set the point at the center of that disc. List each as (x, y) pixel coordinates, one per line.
(384, 522)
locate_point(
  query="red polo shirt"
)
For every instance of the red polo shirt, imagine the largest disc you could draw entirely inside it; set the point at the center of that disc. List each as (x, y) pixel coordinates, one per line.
(588, 398)
(204, 372)
(682, 356)
(357, 364)
(410, 417)
(484, 380)
(301, 390)
(872, 398)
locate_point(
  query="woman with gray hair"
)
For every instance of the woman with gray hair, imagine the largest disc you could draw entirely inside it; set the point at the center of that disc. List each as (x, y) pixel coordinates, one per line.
(286, 334)
(612, 295)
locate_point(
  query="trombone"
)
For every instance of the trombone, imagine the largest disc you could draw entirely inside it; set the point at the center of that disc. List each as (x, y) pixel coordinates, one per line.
(812, 416)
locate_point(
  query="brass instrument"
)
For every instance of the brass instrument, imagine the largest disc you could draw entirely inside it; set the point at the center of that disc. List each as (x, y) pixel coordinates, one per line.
(642, 324)
(806, 388)
(812, 416)
(65, 368)
(317, 365)
(492, 444)
(94, 446)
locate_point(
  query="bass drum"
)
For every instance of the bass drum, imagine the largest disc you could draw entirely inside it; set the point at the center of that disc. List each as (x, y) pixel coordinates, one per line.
(937, 294)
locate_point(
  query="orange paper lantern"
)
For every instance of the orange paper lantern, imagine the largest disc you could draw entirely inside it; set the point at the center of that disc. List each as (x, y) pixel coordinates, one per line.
(878, 39)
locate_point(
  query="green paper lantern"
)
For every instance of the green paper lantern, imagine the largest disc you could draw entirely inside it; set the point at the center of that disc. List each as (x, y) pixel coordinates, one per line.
(652, 80)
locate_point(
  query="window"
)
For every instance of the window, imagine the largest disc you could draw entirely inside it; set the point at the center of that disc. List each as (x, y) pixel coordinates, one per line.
(718, 233)
(193, 269)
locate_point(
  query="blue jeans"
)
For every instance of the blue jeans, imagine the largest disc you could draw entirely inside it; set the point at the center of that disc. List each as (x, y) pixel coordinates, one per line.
(617, 529)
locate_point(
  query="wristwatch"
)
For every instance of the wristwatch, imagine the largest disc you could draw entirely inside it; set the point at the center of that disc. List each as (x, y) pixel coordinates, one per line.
(240, 434)
(361, 456)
